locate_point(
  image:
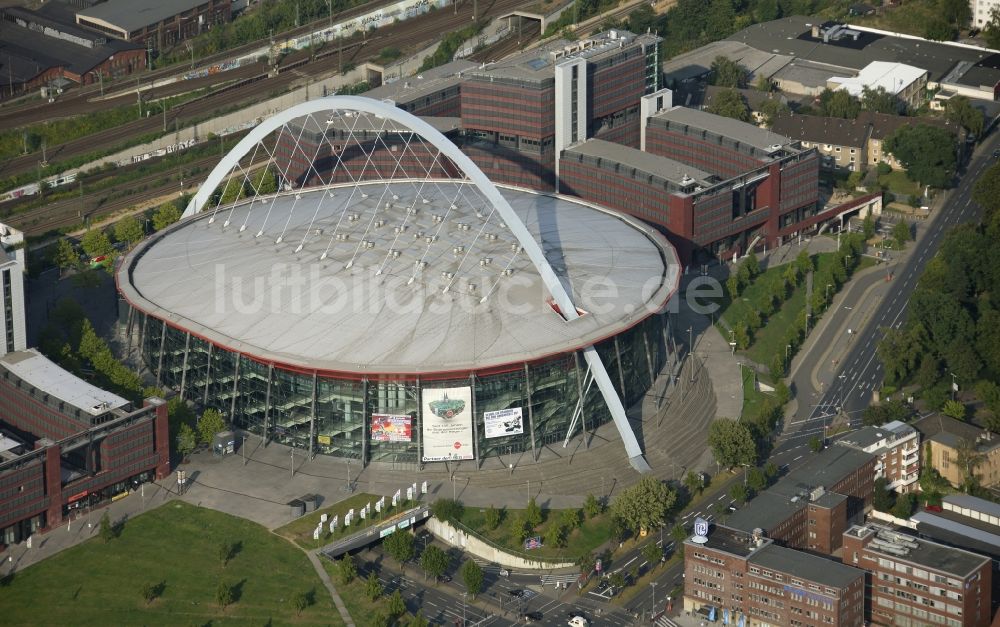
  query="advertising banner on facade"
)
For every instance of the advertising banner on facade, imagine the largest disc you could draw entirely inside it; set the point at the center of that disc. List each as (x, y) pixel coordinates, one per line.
(503, 422)
(390, 428)
(447, 423)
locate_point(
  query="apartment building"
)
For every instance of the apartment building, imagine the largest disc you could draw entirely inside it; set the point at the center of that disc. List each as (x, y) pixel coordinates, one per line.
(897, 447)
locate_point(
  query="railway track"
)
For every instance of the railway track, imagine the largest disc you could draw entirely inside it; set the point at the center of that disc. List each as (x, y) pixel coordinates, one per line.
(516, 41)
(408, 35)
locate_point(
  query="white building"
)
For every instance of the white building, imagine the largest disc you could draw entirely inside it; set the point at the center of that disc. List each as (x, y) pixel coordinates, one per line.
(897, 446)
(12, 331)
(906, 82)
(981, 11)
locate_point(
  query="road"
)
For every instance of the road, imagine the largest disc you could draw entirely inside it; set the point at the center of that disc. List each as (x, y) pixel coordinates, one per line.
(860, 372)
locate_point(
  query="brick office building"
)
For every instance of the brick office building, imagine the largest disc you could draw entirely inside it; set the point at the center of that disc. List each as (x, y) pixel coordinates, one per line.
(65, 443)
(915, 582)
(897, 446)
(812, 506)
(745, 578)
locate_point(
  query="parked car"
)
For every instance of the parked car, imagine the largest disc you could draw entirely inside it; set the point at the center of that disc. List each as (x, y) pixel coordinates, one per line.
(530, 617)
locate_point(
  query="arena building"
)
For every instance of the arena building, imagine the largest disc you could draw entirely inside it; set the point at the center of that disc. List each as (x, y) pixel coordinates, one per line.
(405, 311)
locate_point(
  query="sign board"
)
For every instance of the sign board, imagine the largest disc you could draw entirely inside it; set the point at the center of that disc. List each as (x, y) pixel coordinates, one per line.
(316, 533)
(392, 428)
(447, 424)
(533, 543)
(324, 439)
(700, 531)
(403, 524)
(598, 565)
(387, 531)
(503, 422)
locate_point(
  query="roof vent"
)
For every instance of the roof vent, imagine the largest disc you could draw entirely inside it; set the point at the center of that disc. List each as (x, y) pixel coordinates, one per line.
(686, 180)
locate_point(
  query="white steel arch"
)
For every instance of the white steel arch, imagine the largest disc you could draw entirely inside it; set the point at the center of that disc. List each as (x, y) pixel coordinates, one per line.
(416, 125)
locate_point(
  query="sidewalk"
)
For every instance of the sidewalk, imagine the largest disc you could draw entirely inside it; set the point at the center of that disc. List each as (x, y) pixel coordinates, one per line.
(85, 525)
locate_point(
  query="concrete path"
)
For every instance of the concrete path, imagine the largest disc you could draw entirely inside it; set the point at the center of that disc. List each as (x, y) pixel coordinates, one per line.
(325, 578)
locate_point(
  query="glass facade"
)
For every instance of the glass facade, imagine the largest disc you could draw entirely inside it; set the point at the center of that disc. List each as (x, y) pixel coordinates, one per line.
(332, 416)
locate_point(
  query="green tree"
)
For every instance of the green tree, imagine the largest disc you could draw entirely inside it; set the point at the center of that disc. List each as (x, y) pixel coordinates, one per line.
(991, 32)
(956, 12)
(447, 510)
(373, 587)
(955, 409)
(756, 479)
(732, 443)
(904, 506)
(878, 100)
(571, 518)
(472, 576)
(839, 104)
(519, 527)
(400, 546)
(770, 471)
(299, 601)
(927, 152)
(882, 497)
(694, 482)
(165, 215)
(986, 191)
(678, 534)
(434, 562)
(418, 620)
(959, 110)
(936, 29)
(739, 493)
(989, 393)
(652, 553)
(617, 580)
(224, 593)
(492, 517)
(347, 570)
(733, 286)
(128, 230)
(803, 263)
(731, 104)
(556, 534)
(533, 513)
(186, 440)
(211, 423)
(107, 531)
(772, 109)
(96, 243)
(901, 233)
(226, 551)
(265, 182)
(868, 226)
(815, 444)
(395, 605)
(149, 591)
(65, 255)
(592, 506)
(644, 505)
(727, 73)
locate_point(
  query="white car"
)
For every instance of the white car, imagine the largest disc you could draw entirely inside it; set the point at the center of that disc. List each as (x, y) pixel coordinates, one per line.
(578, 621)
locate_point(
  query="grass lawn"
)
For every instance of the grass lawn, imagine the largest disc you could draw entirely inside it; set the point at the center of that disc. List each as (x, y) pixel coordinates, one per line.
(300, 530)
(897, 183)
(176, 545)
(911, 18)
(582, 540)
(363, 611)
(752, 397)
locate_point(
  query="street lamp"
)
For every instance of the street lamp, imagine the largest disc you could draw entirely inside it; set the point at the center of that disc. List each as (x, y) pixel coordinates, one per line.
(954, 385)
(691, 349)
(652, 584)
(464, 594)
(826, 293)
(788, 348)
(243, 449)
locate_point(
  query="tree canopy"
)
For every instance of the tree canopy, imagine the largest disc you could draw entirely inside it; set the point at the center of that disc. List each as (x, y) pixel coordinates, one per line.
(731, 104)
(878, 100)
(645, 505)
(839, 104)
(959, 110)
(727, 73)
(927, 152)
(165, 215)
(732, 443)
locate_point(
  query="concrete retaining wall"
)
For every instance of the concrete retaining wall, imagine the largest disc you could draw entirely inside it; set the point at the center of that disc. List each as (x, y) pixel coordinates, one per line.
(475, 546)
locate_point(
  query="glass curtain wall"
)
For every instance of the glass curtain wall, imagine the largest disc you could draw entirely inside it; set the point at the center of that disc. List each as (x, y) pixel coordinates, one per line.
(255, 396)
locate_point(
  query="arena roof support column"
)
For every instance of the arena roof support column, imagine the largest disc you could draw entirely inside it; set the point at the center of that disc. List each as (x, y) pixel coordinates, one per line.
(475, 176)
(159, 361)
(208, 375)
(582, 396)
(184, 364)
(366, 423)
(312, 416)
(267, 404)
(236, 388)
(475, 428)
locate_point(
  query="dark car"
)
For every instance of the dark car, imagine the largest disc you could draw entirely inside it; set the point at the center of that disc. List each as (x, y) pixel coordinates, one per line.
(444, 578)
(996, 153)
(530, 617)
(515, 593)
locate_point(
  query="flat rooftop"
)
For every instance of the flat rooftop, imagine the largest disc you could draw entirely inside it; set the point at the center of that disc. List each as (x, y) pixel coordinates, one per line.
(728, 540)
(352, 280)
(749, 134)
(953, 561)
(673, 171)
(792, 36)
(810, 567)
(698, 62)
(975, 505)
(408, 89)
(35, 369)
(536, 65)
(132, 15)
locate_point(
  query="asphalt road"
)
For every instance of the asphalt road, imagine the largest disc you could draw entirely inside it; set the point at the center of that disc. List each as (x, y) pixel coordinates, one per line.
(860, 371)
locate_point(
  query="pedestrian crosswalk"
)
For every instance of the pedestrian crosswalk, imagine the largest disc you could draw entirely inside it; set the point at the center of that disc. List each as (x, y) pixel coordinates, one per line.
(551, 580)
(664, 621)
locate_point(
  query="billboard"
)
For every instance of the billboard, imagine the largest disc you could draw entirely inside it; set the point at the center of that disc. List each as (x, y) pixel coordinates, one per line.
(503, 422)
(391, 428)
(447, 423)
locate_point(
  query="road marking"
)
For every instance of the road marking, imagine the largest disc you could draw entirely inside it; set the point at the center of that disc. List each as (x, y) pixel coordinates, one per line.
(797, 458)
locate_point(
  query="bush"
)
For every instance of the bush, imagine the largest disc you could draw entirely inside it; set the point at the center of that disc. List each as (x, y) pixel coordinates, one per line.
(447, 510)
(883, 168)
(592, 506)
(493, 517)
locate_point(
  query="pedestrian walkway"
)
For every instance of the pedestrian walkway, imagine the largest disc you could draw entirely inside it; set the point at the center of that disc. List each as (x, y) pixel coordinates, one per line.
(325, 578)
